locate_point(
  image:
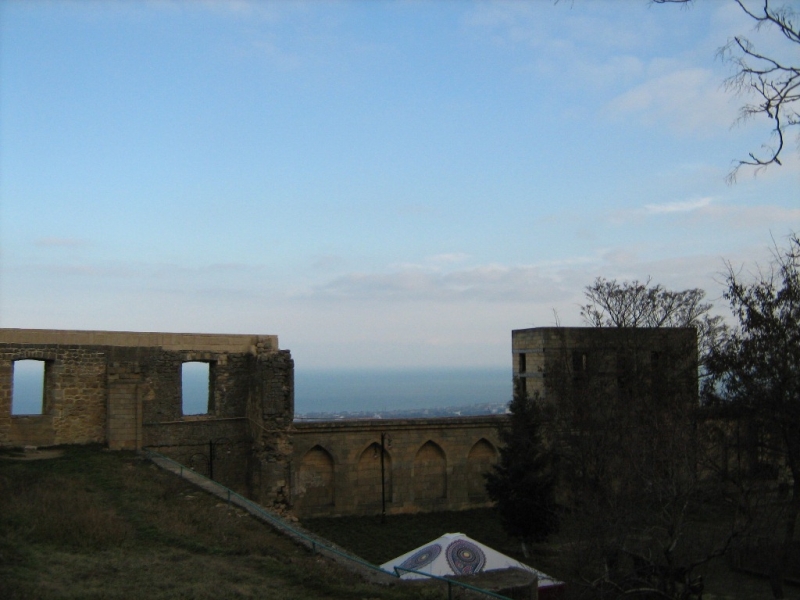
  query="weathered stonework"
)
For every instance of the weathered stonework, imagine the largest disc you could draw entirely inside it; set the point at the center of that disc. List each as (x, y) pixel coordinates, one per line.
(124, 389)
(624, 360)
(429, 465)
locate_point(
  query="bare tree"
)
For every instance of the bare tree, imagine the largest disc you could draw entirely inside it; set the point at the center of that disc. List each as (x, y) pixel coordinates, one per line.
(642, 304)
(635, 304)
(773, 80)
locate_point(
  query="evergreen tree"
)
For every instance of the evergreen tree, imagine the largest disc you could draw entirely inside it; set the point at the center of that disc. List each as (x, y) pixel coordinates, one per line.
(523, 481)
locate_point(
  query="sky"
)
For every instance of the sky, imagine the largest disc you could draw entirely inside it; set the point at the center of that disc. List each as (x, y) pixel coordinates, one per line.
(380, 184)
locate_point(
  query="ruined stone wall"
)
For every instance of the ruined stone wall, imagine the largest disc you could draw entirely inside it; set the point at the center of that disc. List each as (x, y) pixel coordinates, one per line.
(270, 415)
(623, 360)
(124, 389)
(74, 404)
(429, 465)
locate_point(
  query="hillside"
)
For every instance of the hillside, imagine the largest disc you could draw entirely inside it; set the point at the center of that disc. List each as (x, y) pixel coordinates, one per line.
(97, 524)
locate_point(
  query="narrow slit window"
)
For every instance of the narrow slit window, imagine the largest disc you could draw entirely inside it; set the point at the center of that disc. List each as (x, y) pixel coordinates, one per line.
(195, 388)
(27, 396)
(580, 361)
(523, 367)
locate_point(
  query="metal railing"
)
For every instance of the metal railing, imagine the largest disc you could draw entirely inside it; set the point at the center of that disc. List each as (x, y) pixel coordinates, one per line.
(315, 544)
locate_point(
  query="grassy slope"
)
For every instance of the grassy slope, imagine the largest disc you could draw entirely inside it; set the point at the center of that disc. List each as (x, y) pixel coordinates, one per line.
(95, 524)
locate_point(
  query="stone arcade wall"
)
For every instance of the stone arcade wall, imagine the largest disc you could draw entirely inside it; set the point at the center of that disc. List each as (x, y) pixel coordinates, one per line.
(124, 389)
(429, 465)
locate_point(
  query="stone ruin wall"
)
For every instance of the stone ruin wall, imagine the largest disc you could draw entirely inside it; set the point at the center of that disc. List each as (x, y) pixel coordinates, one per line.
(123, 389)
(429, 465)
(544, 358)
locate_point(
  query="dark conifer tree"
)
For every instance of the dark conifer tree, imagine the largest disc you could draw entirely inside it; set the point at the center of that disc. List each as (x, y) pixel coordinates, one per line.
(523, 481)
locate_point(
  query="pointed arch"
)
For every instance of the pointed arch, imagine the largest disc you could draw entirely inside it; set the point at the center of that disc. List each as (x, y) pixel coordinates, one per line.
(369, 475)
(315, 479)
(430, 472)
(480, 460)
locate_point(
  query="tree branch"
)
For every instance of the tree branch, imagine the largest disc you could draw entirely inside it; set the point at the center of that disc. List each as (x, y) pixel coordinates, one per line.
(775, 82)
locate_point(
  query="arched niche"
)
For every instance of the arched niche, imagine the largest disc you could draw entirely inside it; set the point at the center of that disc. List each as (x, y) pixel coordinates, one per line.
(480, 460)
(368, 490)
(430, 472)
(315, 478)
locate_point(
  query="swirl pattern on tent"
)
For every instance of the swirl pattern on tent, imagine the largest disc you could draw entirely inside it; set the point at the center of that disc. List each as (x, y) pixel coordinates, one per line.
(465, 557)
(422, 558)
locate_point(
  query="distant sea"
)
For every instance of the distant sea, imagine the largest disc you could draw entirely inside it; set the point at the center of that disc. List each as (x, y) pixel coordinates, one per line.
(332, 391)
(382, 390)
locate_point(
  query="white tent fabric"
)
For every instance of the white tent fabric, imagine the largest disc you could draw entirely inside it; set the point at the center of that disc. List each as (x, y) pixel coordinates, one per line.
(457, 554)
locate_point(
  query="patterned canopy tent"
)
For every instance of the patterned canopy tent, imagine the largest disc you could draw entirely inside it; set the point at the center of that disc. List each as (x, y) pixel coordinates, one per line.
(457, 554)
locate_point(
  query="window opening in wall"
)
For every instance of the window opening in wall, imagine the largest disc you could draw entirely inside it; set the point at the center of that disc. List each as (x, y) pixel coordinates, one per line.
(27, 396)
(522, 366)
(580, 361)
(195, 388)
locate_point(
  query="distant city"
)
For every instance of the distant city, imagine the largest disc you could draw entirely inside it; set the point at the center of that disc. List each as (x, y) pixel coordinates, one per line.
(411, 413)
(401, 393)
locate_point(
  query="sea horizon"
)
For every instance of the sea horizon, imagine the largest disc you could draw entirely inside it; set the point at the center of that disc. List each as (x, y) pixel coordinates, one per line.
(337, 390)
(392, 389)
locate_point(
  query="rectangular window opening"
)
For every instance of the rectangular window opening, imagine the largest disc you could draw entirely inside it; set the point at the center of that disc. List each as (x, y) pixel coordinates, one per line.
(195, 388)
(522, 366)
(580, 361)
(27, 387)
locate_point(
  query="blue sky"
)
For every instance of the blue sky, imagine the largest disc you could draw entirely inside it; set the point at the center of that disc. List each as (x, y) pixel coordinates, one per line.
(381, 184)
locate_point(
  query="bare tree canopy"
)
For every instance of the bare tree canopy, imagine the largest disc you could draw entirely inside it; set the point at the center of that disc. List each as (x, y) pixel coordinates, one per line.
(636, 304)
(640, 304)
(775, 82)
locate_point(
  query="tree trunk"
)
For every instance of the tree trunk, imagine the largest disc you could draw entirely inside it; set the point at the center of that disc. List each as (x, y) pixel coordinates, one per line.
(781, 566)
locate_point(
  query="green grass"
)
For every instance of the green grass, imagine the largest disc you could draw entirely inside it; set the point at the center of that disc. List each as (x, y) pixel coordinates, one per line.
(97, 524)
(379, 542)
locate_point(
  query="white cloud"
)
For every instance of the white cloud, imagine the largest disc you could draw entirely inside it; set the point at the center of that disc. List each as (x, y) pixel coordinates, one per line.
(275, 52)
(756, 217)
(493, 283)
(689, 101)
(709, 212)
(327, 262)
(448, 258)
(678, 207)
